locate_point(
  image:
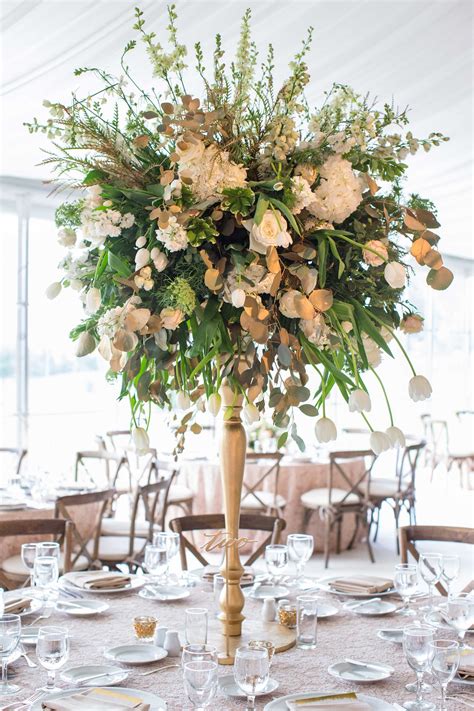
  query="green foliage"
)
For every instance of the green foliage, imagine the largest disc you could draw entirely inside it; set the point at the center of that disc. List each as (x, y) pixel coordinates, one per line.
(68, 214)
(238, 200)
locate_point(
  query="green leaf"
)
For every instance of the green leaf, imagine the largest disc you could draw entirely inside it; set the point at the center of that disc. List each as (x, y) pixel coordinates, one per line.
(284, 209)
(101, 265)
(262, 206)
(333, 248)
(93, 177)
(367, 325)
(118, 265)
(282, 440)
(309, 410)
(284, 355)
(322, 260)
(299, 442)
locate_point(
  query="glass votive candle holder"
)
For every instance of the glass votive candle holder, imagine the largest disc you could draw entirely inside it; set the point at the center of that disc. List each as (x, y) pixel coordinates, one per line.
(145, 627)
(263, 644)
(287, 614)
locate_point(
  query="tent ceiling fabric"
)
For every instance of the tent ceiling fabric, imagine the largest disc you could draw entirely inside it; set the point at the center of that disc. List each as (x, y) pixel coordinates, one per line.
(419, 52)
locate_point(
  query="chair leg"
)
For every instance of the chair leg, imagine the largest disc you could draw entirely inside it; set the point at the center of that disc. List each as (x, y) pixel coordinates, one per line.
(377, 523)
(396, 513)
(327, 534)
(354, 535)
(306, 518)
(338, 536)
(371, 553)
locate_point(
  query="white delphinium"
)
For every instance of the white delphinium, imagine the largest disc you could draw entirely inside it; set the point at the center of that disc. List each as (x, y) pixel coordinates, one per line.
(302, 192)
(339, 193)
(174, 236)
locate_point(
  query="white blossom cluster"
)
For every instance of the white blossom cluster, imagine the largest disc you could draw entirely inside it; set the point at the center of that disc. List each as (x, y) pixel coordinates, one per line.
(96, 225)
(174, 236)
(339, 192)
(302, 192)
(210, 170)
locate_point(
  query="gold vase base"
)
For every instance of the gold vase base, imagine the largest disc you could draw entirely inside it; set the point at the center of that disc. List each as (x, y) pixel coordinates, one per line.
(281, 637)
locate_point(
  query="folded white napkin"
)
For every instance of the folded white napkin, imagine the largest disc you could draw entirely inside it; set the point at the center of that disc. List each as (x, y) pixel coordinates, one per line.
(16, 605)
(91, 581)
(97, 700)
(362, 584)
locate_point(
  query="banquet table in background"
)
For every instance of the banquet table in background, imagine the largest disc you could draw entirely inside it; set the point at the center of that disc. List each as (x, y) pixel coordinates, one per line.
(296, 477)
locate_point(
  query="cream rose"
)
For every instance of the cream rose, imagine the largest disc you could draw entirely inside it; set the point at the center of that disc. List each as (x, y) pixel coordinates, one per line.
(171, 318)
(271, 232)
(375, 260)
(412, 324)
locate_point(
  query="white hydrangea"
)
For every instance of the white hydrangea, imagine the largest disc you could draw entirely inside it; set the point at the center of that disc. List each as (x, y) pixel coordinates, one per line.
(174, 236)
(302, 192)
(109, 323)
(258, 280)
(211, 172)
(97, 225)
(339, 193)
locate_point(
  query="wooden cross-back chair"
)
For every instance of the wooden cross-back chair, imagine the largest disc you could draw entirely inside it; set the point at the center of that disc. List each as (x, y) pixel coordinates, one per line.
(410, 535)
(16, 452)
(254, 497)
(113, 463)
(333, 502)
(179, 495)
(13, 573)
(216, 522)
(86, 544)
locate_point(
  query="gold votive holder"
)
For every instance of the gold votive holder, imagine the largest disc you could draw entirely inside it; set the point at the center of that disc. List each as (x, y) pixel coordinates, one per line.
(263, 644)
(287, 615)
(145, 627)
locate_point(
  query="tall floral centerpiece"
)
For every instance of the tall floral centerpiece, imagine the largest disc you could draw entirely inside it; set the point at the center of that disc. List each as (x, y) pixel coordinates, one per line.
(241, 238)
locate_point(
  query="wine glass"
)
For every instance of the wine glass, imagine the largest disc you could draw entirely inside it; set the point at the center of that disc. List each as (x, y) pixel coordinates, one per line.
(416, 645)
(52, 652)
(406, 584)
(169, 541)
(251, 672)
(10, 631)
(450, 567)
(430, 570)
(444, 664)
(49, 548)
(195, 625)
(156, 562)
(300, 549)
(217, 586)
(459, 614)
(198, 653)
(45, 575)
(200, 682)
(276, 558)
(28, 555)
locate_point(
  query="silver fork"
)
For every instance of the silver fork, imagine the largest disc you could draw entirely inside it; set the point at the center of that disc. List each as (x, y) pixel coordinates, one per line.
(27, 659)
(153, 671)
(18, 705)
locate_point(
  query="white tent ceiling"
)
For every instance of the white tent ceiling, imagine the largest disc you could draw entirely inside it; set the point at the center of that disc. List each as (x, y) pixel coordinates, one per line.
(419, 52)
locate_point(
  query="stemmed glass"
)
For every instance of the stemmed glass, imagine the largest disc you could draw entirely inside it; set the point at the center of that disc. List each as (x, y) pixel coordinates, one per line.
(459, 614)
(28, 556)
(276, 558)
(10, 632)
(195, 625)
(52, 652)
(300, 549)
(155, 562)
(45, 575)
(430, 570)
(444, 664)
(200, 682)
(251, 672)
(198, 653)
(416, 645)
(406, 584)
(49, 548)
(450, 568)
(169, 541)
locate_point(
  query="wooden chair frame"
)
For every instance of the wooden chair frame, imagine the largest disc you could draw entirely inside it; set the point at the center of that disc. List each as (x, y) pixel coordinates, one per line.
(252, 489)
(440, 534)
(216, 522)
(20, 453)
(158, 466)
(61, 529)
(109, 458)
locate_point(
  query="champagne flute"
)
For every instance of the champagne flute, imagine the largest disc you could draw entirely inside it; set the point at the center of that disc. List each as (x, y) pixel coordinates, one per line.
(251, 672)
(155, 562)
(52, 652)
(444, 664)
(10, 632)
(45, 575)
(406, 584)
(450, 566)
(300, 549)
(416, 645)
(195, 625)
(28, 556)
(169, 541)
(200, 682)
(459, 614)
(198, 653)
(430, 570)
(276, 559)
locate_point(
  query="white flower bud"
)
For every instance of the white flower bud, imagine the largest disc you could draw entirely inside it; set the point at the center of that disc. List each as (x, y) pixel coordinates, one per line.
(140, 440)
(142, 258)
(419, 388)
(359, 401)
(238, 298)
(53, 290)
(379, 442)
(395, 275)
(93, 300)
(85, 344)
(251, 413)
(141, 242)
(214, 404)
(160, 261)
(183, 401)
(396, 437)
(326, 430)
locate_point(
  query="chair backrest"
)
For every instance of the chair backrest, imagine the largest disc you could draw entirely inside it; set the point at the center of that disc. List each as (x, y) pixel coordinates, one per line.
(88, 522)
(216, 522)
(113, 462)
(272, 460)
(17, 453)
(339, 477)
(119, 439)
(58, 529)
(409, 535)
(407, 462)
(153, 497)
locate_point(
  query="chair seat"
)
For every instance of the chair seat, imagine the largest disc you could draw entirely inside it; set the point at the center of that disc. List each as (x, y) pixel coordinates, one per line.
(121, 527)
(178, 494)
(14, 567)
(383, 488)
(116, 548)
(316, 498)
(268, 499)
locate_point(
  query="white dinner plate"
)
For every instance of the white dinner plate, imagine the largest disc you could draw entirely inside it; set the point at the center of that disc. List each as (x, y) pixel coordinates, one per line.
(395, 635)
(81, 608)
(435, 618)
(325, 609)
(371, 609)
(275, 591)
(35, 603)
(135, 654)
(280, 704)
(164, 593)
(79, 675)
(228, 686)
(68, 579)
(360, 674)
(325, 584)
(156, 702)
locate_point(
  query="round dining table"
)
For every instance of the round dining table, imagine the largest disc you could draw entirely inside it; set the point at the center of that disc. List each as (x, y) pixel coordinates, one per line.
(296, 670)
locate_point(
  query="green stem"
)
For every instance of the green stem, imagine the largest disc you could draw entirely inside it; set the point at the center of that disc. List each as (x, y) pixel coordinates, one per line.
(360, 246)
(379, 320)
(367, 422)
(384, 393)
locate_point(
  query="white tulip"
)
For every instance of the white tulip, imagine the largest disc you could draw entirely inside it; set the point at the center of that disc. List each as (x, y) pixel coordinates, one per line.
(396, 437)
(251, 413)
(160, 261)
(53, 290)
(326, 430)
(141, 242)
(419, 388)
(214, 404)
(85, 344)
(142, 258)
(93, 300)
(76, 284)
(183, 401)
(379, 442)
(395, 275)
(140, 440)
(359, 401)
(238, 298)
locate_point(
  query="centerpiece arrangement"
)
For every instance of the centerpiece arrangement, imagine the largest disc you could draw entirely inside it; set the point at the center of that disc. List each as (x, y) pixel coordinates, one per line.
(240, 238)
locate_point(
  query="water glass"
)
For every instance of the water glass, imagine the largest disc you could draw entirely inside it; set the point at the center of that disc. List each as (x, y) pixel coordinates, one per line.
(406, 584)
(444, 664)
(52, 652)
(195, 625)
(263, 644)
(169, 541)
(200, 682)
(49, 548)
(198, 653)
(28, 555)
(429, 567)
(459, 614)
(156, 563)
(419, 653)
(450, 565)
(251, 672)
(45, 575)
(10, 631)
(306, 621)
(300, 549)
(218, 585)
(276, 558)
